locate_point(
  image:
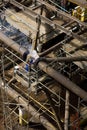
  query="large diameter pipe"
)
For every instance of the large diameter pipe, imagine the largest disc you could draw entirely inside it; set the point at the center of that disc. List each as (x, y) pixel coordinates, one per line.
(63, 80)
(12, 44)
(49, 70)
(62, 13)
(65, 59)
(46, 20)
(21, 50)
(29, 108)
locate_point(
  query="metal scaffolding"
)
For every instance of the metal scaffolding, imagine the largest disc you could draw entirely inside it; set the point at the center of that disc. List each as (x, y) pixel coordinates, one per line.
(46, 92)
(34, 86)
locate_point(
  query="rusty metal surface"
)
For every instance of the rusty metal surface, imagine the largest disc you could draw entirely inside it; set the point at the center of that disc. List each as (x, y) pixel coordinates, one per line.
(31, 109)
(64, 14)
(49, 70)
(46, 20)
(66, 59)
(53, 73)
(63, 80)
(11, 43)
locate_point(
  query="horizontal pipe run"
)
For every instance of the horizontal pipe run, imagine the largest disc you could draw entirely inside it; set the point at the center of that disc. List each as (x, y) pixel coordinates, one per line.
(50, 71)
(65, 59)
(31, 109)
(34, 16)
(46, 20)
(11, 44)
(78, 48)
(62, 13)
(63, 80)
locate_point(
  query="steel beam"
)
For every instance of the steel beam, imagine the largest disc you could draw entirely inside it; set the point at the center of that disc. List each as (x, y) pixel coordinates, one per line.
(38, 28)
(16, 96)
(66, 82)
(45, 20)
(78, 48)
(60, 12)
(50, 71)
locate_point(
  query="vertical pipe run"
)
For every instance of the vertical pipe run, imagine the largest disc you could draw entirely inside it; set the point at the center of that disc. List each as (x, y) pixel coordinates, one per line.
(38, 20)
(66, 111)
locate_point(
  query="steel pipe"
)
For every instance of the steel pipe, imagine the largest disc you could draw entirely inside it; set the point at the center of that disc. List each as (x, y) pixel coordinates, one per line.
(62, 13)
(65, 59)
(31, 109)
(49, 70)
(12, 44)
(45, 20)
(63, 80)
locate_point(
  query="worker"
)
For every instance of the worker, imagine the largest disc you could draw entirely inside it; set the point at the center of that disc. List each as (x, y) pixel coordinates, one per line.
(32, 57)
